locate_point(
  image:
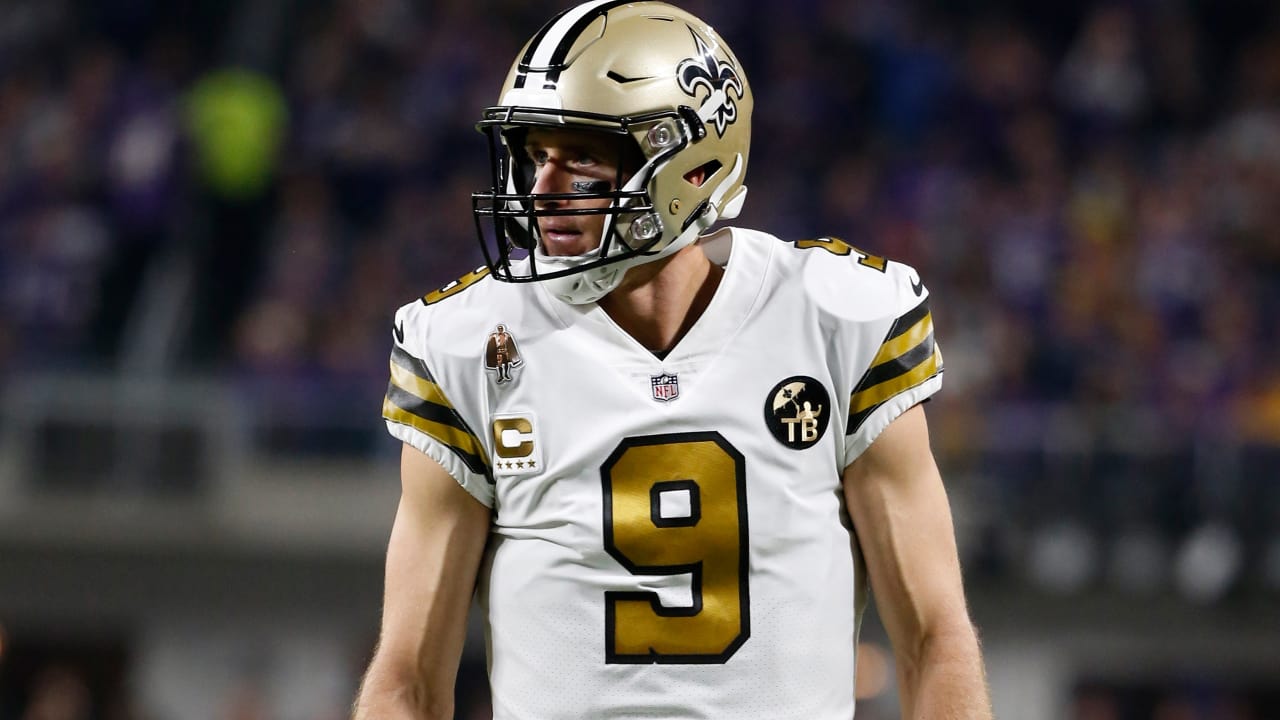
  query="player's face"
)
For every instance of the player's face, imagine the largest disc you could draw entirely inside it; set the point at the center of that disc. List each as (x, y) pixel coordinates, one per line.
(568, 161)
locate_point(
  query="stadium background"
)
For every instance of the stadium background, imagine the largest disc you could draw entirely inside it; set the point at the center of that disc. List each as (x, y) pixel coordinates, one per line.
(209, 211)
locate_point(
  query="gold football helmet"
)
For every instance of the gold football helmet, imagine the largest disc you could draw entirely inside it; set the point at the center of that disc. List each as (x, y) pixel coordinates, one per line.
(651, 74)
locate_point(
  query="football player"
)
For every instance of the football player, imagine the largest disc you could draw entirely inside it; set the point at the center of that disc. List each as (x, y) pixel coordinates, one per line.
(712, 447)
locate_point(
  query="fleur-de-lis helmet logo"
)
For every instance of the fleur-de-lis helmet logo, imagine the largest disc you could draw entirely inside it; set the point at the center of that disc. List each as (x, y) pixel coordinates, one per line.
(717, 78)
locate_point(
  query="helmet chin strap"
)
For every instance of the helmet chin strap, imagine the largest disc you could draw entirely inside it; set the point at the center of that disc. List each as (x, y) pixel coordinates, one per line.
(590, 285)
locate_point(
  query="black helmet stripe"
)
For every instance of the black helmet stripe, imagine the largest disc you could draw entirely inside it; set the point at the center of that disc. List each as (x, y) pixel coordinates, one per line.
(556, 34)
(533, 45)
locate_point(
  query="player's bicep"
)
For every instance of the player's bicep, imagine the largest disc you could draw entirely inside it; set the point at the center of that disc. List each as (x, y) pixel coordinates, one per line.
(900, 512)
(436, 546)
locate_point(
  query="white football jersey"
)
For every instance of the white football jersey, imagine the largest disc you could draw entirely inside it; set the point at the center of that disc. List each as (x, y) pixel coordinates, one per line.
(669, 538)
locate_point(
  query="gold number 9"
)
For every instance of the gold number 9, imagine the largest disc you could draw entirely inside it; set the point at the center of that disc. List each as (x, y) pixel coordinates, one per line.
(674, 505)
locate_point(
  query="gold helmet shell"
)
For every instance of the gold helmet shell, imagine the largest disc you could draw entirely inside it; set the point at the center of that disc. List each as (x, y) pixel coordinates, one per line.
(647, 71)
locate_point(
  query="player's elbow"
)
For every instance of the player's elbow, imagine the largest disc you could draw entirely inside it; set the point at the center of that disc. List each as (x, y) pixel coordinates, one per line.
(401, 693)
(948, 639)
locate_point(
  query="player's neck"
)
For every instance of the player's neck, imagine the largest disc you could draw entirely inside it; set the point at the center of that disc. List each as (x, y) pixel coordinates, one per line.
(659, 302)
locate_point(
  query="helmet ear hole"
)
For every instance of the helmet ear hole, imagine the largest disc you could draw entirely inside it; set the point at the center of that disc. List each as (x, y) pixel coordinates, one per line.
(699, 175)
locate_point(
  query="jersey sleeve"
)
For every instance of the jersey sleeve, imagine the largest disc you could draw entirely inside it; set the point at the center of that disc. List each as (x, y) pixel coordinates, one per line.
(905, 367)
(418, 411)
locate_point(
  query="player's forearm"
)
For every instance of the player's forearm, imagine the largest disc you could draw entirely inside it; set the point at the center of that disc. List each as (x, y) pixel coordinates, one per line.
(946, 680)
(384, 697)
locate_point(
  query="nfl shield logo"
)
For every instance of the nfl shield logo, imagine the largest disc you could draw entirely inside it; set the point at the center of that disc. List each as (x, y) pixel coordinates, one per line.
(665, 387)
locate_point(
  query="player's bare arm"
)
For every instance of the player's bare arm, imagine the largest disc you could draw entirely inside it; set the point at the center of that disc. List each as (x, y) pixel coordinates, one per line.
(433, 557)
(900, 510)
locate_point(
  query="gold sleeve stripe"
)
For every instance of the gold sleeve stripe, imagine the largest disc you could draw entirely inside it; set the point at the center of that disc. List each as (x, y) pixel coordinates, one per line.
(887, 367)
(877, 394)
(457, 440)
(897, 346)
(883, 392)
(414, 399)
(409, 373)
(907, 357)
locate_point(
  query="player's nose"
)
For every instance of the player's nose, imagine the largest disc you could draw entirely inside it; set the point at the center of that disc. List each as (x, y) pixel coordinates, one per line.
(549, 178)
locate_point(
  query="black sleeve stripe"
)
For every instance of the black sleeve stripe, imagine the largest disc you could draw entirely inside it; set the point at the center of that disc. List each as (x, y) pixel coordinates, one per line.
(908, 321)
(425, 409)
(900, 365)
(414, 399)
(907, 357)
(401, 357)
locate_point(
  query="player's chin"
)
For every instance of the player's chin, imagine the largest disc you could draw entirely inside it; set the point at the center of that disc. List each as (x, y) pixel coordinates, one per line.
(567, 243)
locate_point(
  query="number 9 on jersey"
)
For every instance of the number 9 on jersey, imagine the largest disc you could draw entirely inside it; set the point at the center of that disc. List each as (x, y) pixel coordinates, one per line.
(676, 505)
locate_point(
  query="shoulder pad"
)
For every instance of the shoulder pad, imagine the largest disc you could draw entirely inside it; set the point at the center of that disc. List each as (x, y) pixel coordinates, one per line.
(855, 285)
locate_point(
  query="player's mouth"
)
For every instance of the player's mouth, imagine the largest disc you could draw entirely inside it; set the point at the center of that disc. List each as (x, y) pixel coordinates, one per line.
(562, 239)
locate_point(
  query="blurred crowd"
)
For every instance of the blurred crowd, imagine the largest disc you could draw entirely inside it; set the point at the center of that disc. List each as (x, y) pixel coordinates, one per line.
(1088, 189)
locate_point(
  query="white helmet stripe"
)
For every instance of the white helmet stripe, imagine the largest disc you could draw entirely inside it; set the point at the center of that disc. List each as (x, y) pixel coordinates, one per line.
(555, 42)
